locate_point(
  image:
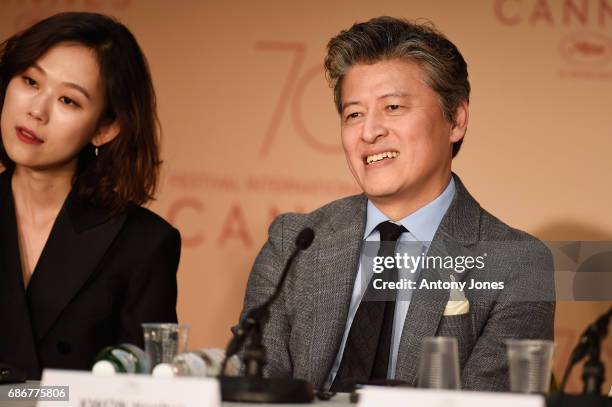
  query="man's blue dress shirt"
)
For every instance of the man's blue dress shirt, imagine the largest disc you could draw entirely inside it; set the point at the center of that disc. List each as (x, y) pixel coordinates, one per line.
(421, 226)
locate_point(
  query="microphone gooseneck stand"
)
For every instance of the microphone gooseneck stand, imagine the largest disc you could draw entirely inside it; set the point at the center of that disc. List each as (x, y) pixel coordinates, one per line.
(253, 387)
(590, 345)
(593, 373)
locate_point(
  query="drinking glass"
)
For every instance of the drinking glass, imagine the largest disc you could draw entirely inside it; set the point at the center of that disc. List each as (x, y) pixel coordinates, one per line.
(163, 341)
(530, 364)
(439, 363)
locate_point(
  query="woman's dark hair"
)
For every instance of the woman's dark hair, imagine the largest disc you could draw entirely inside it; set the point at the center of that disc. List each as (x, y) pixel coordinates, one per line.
(126, 168)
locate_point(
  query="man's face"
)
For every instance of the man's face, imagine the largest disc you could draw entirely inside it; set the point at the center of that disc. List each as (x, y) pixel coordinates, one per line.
(397, 142)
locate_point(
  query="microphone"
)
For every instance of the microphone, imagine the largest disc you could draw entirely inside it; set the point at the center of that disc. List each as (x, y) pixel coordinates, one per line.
(253, 387)
(302, 242)
(304, 239)
(590, 344)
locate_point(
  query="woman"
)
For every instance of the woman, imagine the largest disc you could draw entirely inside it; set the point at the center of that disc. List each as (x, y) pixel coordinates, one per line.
(82, 264)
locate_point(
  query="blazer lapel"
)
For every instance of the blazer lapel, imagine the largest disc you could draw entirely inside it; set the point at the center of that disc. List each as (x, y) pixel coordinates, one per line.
(458, 229)
(77, 242)
(335, 270)
(18, 347)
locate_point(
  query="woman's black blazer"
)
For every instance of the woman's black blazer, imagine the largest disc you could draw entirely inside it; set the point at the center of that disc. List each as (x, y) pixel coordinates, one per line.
(98, 278)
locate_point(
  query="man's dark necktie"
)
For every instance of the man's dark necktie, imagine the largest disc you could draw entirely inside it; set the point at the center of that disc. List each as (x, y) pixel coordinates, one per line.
(368, 345)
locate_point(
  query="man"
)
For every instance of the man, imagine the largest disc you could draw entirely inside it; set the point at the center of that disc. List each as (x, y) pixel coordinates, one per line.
(402, 93)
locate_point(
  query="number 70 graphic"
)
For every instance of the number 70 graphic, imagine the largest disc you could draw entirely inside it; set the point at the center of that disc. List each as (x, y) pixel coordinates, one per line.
(292, 91)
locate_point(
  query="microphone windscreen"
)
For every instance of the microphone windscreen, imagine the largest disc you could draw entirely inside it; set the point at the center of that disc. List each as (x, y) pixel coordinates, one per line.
(304, 238)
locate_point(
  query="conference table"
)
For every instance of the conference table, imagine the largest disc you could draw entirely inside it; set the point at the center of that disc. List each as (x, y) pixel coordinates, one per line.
(340, 400)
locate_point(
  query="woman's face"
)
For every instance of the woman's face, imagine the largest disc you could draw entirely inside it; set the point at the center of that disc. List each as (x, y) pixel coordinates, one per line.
(52, 109)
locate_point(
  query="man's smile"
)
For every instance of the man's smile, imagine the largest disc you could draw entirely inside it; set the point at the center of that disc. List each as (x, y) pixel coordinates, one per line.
(372, 158)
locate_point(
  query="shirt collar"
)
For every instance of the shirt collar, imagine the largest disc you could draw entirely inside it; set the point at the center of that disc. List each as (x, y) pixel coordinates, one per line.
(423, 223)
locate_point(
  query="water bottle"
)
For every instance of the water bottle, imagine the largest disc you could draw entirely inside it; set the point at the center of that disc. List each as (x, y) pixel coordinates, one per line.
(123, 358)
(198, 363)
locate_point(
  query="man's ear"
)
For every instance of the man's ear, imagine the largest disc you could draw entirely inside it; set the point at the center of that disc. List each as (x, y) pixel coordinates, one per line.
(106, 133)
(458, 130)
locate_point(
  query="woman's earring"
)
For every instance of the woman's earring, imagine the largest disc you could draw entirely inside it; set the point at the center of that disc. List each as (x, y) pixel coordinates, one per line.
(96, 151)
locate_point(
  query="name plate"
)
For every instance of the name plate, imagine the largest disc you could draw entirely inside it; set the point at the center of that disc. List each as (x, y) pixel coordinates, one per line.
(379, 396)
(125, 390)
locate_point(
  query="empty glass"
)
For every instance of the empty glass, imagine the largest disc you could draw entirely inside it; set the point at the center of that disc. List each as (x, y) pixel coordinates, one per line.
(439, 363)
(163, 341)
(530, 364)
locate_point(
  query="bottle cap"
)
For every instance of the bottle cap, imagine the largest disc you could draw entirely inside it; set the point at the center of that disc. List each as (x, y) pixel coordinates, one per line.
(103, 368)
(164, 370)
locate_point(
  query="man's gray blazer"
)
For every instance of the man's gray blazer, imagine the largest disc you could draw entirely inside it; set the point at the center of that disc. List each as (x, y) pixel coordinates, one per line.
(307, 322)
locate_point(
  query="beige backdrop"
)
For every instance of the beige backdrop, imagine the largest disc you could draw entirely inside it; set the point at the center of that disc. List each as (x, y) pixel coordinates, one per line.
(250, 129)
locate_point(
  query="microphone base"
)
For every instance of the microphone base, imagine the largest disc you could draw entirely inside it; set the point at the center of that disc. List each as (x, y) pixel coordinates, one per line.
(263, 390)
(582, 400)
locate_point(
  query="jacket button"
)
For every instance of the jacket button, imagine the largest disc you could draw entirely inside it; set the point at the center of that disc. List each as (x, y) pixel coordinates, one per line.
(63, 348)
